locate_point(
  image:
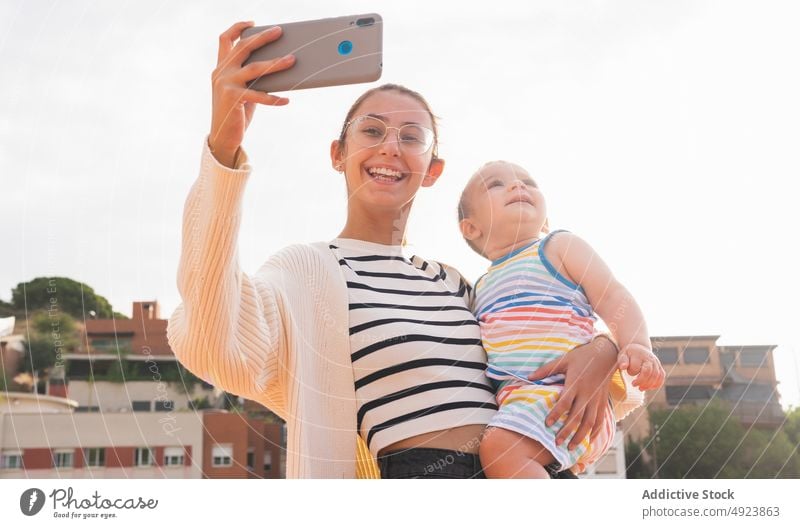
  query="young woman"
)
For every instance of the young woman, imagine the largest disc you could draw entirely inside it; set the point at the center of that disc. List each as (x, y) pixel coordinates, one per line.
(364, 351)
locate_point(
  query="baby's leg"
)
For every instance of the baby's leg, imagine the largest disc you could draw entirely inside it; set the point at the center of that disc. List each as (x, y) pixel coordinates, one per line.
(506, 454)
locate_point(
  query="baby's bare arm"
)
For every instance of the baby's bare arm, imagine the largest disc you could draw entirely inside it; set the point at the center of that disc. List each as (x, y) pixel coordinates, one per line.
(580, 263)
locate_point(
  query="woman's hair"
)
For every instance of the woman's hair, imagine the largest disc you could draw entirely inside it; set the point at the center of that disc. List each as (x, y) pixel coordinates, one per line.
(400, 89)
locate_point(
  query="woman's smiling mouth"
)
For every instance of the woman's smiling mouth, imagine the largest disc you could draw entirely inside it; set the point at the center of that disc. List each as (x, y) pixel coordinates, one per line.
(385, 174)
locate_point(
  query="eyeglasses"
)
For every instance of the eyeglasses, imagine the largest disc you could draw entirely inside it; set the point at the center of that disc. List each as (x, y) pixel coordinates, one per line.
(368, 131)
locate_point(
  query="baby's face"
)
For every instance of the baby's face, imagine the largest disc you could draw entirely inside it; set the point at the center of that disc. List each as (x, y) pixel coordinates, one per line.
(505, 205)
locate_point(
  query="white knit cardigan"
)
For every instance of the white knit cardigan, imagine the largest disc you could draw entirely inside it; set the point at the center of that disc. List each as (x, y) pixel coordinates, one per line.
(279, 337)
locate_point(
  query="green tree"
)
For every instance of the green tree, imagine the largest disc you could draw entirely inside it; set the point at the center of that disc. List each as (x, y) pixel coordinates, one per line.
(200, 403)
(703, 442)
(770, 454)
(6, 309)
(697, 442)
(60, 294)
(639, 461)
(792, 426)
(51, 335)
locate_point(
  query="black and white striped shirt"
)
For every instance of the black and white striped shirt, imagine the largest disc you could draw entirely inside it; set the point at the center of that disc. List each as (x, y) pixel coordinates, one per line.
(416, 347)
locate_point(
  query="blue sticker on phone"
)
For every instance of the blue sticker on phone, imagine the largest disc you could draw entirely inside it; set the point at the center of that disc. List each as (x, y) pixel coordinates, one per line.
(345, 47)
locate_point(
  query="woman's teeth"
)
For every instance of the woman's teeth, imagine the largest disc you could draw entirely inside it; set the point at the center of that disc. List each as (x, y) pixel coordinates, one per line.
(383, 174)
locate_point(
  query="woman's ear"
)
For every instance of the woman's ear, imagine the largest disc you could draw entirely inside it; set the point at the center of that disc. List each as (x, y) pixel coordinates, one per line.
(469, 230)
(434, 171)
(337, 156)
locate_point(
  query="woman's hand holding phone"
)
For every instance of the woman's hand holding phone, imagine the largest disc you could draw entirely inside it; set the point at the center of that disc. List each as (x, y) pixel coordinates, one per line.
(233, 103)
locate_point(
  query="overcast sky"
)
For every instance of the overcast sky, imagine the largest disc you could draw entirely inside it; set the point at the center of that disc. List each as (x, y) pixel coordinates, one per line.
(664, 133)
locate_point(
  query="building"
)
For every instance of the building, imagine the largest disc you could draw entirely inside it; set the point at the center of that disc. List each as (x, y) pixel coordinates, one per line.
(122, 406)
(42, 437)
(612, 465)
(698, 370)
(127, 365)
(236, 446)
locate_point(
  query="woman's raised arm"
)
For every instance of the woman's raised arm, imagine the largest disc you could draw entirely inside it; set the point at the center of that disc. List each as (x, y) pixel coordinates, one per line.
(229, 328)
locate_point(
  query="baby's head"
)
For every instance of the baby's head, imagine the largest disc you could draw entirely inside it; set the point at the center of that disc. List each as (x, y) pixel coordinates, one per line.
(501, 207)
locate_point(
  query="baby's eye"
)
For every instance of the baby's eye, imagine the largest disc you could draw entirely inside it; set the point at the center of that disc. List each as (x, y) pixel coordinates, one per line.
(530, 183)
(495, 183)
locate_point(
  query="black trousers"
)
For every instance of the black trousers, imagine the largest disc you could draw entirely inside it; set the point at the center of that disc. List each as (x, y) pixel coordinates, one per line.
(427, 462)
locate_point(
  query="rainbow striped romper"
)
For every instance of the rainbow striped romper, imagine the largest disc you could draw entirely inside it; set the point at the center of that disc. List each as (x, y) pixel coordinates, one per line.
(530, 314)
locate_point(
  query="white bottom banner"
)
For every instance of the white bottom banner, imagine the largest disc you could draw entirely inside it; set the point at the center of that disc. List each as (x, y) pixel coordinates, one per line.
(121, 503)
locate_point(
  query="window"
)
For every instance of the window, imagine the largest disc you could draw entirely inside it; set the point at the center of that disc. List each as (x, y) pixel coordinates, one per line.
(164, 405)
(758, 392)
(11, 460)
(62, 458)
(141, 405)
(267, 460)
(144, 457)
(110, 344)
(752, 358)
(668, 355)
(695, 355)
(678, 394)
(95, 456)
(173, 456)
(727, 360)
(100, 367)
(84, 408)
(222, 455)
(251, 459)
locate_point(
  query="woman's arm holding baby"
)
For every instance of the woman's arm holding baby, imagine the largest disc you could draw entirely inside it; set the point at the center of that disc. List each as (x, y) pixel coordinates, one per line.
(587, 371)
(576, 259)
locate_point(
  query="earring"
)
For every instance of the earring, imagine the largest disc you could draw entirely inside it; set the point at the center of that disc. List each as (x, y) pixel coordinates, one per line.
(339, 168)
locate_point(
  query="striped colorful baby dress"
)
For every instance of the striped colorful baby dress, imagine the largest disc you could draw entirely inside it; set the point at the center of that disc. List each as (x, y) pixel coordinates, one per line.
(530, 314)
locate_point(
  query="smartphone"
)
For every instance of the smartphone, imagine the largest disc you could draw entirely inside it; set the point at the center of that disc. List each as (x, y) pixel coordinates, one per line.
(328, 52)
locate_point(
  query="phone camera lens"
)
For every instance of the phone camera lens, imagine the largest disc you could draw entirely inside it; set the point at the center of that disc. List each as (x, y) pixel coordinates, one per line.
(345, 47)
(361, 22)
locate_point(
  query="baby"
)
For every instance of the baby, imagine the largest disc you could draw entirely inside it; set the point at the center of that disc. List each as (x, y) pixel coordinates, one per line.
(535, 304)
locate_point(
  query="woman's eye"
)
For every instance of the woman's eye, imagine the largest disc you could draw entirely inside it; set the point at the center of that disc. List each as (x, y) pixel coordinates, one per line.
(372, 132)
(411, 139)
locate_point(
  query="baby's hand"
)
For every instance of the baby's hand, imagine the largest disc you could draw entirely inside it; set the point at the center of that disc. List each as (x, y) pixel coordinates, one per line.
(640, 362)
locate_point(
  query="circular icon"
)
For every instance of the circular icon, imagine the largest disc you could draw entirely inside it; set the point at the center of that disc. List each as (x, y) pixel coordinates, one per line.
(345, 47)
(31, 501)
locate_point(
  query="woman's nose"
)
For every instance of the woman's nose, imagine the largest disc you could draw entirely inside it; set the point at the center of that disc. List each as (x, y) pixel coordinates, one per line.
(391, 143)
